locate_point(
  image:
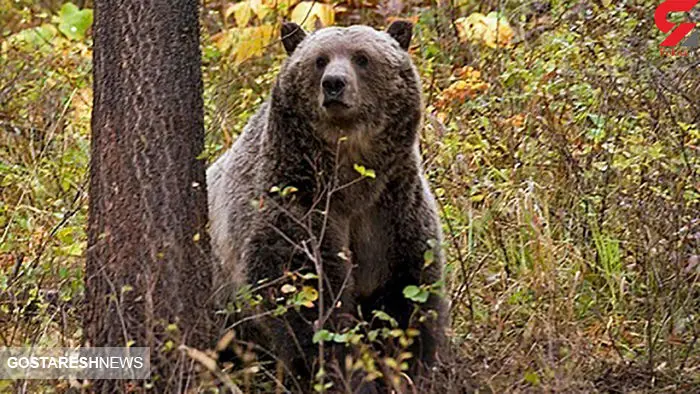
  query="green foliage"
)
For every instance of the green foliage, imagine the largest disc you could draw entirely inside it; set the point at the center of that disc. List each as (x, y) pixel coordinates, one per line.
(365, 172)
(73, 22)
(44, 148)
(563, 184)
(323, 336)
(416, 294)
(36, 38)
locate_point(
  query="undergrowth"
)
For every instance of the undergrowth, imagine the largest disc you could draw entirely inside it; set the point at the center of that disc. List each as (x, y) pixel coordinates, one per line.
(565, 163)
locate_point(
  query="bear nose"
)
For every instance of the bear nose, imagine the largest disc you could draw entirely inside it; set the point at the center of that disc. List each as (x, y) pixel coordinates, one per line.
(333, 85)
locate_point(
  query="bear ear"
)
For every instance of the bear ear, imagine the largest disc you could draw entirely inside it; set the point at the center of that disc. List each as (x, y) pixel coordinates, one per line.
(292, 35)
(401, 31)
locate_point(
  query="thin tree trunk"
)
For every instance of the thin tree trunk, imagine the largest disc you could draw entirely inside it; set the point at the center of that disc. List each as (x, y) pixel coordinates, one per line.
(148, 259)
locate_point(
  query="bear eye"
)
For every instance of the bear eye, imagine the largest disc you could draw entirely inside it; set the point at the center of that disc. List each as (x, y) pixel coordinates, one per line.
(321, 62)
(361, 60)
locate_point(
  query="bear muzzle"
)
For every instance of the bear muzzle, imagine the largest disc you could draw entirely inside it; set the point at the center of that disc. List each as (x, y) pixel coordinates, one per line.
(333, 87)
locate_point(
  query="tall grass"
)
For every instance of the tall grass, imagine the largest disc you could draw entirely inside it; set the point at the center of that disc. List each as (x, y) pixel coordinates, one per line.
(567, 186)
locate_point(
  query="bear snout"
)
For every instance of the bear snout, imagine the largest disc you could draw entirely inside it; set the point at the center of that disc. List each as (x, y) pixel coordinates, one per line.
(333, 86)
(337, 86)
(336, 94)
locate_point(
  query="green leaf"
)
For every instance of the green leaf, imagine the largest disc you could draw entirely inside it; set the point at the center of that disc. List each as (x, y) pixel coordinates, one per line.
(322, 388)
(75, 249)
(65, 235)
(288, 190)
(395, 333)
(381, 315)
(416, 294)
(532, 377)
(372, 335)
(598, 121)
(169, 346)
(340, 338)
(280, 310)
(428, 257)
(477, 197)
(411, 291)
(365, 172)
(305, 297)
(309, 276)
(73, 22)
(322, 335)
(37, 38)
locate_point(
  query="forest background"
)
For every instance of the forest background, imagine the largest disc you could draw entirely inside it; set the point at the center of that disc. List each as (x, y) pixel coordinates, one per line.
(562, 145)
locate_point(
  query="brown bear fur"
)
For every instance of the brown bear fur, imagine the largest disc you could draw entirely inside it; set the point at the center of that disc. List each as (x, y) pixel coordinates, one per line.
(370, 233)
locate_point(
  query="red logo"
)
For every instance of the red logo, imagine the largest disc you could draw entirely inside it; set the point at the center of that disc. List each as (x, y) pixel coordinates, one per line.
(665, 26)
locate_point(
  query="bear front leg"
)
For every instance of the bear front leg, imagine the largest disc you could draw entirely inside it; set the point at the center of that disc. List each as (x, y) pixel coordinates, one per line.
(285, 252)
(415, 231)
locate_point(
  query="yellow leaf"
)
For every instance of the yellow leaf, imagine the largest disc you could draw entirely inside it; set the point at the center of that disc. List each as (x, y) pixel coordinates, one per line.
(244, 43)
(259, 8)
(310, 294)
(242, 12)
(280, 5)
(492, 29)
(307, 13)
(253, 41)
(471, 27)
(469, 73)
(500, 28)
(230, 9)
(516, 121)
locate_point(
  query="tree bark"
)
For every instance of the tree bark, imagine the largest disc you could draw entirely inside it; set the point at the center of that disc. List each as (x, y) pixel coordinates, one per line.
(148, 272)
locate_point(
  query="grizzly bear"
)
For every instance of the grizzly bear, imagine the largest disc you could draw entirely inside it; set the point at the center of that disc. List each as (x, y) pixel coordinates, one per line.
(326, 179)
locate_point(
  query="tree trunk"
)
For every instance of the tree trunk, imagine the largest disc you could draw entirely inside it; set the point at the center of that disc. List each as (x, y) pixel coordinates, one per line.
(148, 272)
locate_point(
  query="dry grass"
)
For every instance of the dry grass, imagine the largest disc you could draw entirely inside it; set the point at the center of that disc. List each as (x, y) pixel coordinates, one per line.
(568, 188)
